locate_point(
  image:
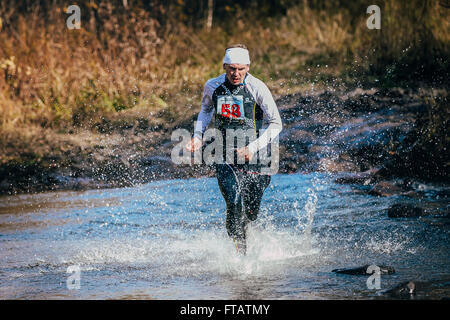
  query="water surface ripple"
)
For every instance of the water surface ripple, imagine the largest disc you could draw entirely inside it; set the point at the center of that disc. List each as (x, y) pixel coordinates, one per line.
(167, 240)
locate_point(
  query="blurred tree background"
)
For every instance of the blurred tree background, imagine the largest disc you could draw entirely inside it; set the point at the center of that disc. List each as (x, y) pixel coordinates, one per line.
(147, 61)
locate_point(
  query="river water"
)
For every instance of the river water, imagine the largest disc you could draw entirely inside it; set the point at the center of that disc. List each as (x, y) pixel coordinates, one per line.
(167, 240)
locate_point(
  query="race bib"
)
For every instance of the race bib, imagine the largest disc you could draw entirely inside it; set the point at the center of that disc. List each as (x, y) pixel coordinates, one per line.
(231, 107)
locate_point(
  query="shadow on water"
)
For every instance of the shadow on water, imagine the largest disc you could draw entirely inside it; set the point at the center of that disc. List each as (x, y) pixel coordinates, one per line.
(167, 240)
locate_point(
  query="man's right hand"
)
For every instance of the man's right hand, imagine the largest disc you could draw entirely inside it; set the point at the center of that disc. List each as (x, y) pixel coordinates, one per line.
(194, 144)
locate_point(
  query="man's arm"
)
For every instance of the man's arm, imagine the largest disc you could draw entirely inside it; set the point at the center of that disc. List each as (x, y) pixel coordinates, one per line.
(203, 120)
(265, 100)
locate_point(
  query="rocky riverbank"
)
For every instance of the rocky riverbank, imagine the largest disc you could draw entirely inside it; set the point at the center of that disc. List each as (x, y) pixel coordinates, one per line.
(366, 137)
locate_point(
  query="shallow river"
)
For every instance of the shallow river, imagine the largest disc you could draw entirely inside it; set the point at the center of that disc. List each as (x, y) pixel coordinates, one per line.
(167, 240)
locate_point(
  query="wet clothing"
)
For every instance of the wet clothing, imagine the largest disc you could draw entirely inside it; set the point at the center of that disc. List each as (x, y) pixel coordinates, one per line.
(238, 113)
(256, 91)
(242, 192)
(242, 107)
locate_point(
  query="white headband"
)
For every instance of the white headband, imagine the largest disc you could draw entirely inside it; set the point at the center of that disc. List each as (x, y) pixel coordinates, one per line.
(236, 55)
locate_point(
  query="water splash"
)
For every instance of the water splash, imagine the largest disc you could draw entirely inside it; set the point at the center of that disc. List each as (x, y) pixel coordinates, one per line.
(310, 209)
(161, 240)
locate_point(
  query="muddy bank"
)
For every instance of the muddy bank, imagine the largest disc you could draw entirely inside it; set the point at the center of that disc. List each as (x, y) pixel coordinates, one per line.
(363, 136)
(87, 160)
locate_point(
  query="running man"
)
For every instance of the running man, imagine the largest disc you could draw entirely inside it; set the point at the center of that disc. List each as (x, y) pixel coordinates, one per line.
(239, 101)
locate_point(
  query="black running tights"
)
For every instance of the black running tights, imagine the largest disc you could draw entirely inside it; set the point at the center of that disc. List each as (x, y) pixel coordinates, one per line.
(242, 192)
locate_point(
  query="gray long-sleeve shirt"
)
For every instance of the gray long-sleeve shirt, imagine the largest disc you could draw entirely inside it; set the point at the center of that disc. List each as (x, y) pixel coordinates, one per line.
(263, 98)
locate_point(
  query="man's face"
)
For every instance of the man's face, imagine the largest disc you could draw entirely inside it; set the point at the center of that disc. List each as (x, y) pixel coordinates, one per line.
(236, 72)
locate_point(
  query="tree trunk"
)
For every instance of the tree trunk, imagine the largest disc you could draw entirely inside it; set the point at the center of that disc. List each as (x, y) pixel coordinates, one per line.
(210, 15)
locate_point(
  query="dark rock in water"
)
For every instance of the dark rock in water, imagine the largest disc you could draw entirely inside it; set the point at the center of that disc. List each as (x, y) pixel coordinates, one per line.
(365, 177)
(330, 165)
(412, 194)
(403, 290)
(401, 210)
(359, 271)
(385, 189)
(430, 289)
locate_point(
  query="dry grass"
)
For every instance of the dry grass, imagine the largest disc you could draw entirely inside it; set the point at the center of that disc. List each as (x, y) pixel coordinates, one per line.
(130, 67)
